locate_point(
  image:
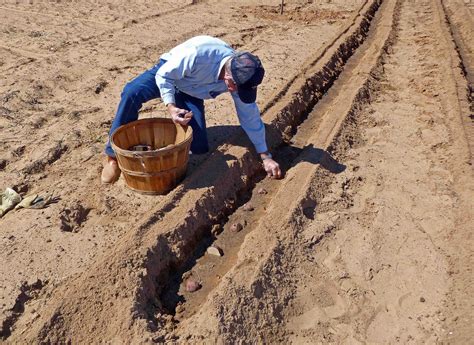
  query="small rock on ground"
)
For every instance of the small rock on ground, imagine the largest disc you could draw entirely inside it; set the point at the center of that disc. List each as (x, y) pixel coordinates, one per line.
(215, 250)
(236, 227)
(192, 285)
(216, 229)
(248, 207)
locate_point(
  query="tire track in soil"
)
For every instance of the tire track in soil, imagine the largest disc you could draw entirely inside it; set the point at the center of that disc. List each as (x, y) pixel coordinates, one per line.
(460, 26)
(52, 329)
(457, 315)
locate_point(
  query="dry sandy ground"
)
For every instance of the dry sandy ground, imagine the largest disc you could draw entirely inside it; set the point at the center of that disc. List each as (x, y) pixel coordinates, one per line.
(366, 239)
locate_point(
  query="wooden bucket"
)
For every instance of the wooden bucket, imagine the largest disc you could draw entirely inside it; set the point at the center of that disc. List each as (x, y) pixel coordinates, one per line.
(160, 169)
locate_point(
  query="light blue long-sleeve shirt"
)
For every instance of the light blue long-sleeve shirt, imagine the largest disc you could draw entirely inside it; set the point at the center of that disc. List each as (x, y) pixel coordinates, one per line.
(193, 67)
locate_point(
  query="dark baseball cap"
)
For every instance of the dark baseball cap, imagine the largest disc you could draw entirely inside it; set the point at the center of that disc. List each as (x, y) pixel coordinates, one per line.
(247, 72)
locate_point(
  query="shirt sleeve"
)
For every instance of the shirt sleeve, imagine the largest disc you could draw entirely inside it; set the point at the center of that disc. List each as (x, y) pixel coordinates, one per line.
(251, 122)
(177, 67)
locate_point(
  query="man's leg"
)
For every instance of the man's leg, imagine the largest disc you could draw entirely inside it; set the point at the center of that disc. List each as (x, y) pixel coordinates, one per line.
(197, 123)
(140, 90)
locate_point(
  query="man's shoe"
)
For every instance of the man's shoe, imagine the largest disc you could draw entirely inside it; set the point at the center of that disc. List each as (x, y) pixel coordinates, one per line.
(111, 171)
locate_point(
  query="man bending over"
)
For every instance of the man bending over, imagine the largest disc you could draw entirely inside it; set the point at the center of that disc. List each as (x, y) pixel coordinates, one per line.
(201, 68)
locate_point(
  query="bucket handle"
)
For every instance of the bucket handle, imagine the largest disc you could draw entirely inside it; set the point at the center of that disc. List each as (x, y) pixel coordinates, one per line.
(140, 157)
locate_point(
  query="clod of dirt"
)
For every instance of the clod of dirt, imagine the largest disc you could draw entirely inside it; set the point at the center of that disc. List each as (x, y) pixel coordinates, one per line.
(3, 164)
(216, 229)
(236, 227)
(72, 218)
(18, 152)
(369, 275)
(35, 34)
(262, 191)
(215, 250)
(248, 207)
(100, 87)
(192, 285)
(179, 308)
(186, 275)
(53, 154)
(422, 300)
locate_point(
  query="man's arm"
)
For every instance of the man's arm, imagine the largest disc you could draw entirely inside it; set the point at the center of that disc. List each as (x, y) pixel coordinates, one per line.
(252, 124)
(174, 69)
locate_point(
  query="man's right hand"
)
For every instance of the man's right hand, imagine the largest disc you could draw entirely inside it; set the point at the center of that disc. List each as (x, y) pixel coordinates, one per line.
(178, 115)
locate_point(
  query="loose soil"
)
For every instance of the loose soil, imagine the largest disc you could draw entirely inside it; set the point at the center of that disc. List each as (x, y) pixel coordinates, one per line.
(367, 238)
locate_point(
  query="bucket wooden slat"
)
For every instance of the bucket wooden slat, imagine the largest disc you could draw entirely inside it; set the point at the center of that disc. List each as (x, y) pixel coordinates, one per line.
(149, 136)
(170, 137)
(157, 171)
(159, 135)
(132, 135)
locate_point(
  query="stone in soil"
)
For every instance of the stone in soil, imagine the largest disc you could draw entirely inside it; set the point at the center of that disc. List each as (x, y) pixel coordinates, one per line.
(262, 191)
(192, 285)
(216, 229)
(248, 207)
(236, 227)
(215, 250)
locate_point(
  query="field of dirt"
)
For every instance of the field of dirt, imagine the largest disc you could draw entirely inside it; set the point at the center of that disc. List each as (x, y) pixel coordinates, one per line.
(367, 238)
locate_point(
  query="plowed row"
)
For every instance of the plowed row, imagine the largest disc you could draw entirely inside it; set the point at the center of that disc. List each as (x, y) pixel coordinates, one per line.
(364, 240)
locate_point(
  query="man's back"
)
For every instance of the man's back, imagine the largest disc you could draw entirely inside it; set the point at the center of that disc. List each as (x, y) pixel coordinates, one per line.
(194, 68)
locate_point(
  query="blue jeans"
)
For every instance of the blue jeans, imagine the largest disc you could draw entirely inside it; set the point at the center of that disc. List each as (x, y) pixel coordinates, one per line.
(143, 89)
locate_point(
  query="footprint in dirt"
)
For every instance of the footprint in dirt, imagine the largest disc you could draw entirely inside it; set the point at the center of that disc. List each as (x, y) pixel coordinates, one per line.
(321, 305)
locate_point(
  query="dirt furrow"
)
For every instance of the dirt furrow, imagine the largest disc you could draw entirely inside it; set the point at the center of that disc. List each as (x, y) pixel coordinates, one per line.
(367, 239)
(461, 29)
(153, 250)
(458, 105)
(303, 158)
(372, 259)
(248, 302)
(375, 263)
(54, 125)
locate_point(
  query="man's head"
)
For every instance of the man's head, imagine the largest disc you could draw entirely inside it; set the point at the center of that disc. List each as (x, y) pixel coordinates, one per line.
(244, 72)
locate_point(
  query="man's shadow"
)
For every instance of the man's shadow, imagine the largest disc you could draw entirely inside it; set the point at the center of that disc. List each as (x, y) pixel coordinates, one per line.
(216, 164)
(289, 157)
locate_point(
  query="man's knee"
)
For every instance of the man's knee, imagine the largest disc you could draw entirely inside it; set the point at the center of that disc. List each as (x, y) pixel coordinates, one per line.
(130, 91)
